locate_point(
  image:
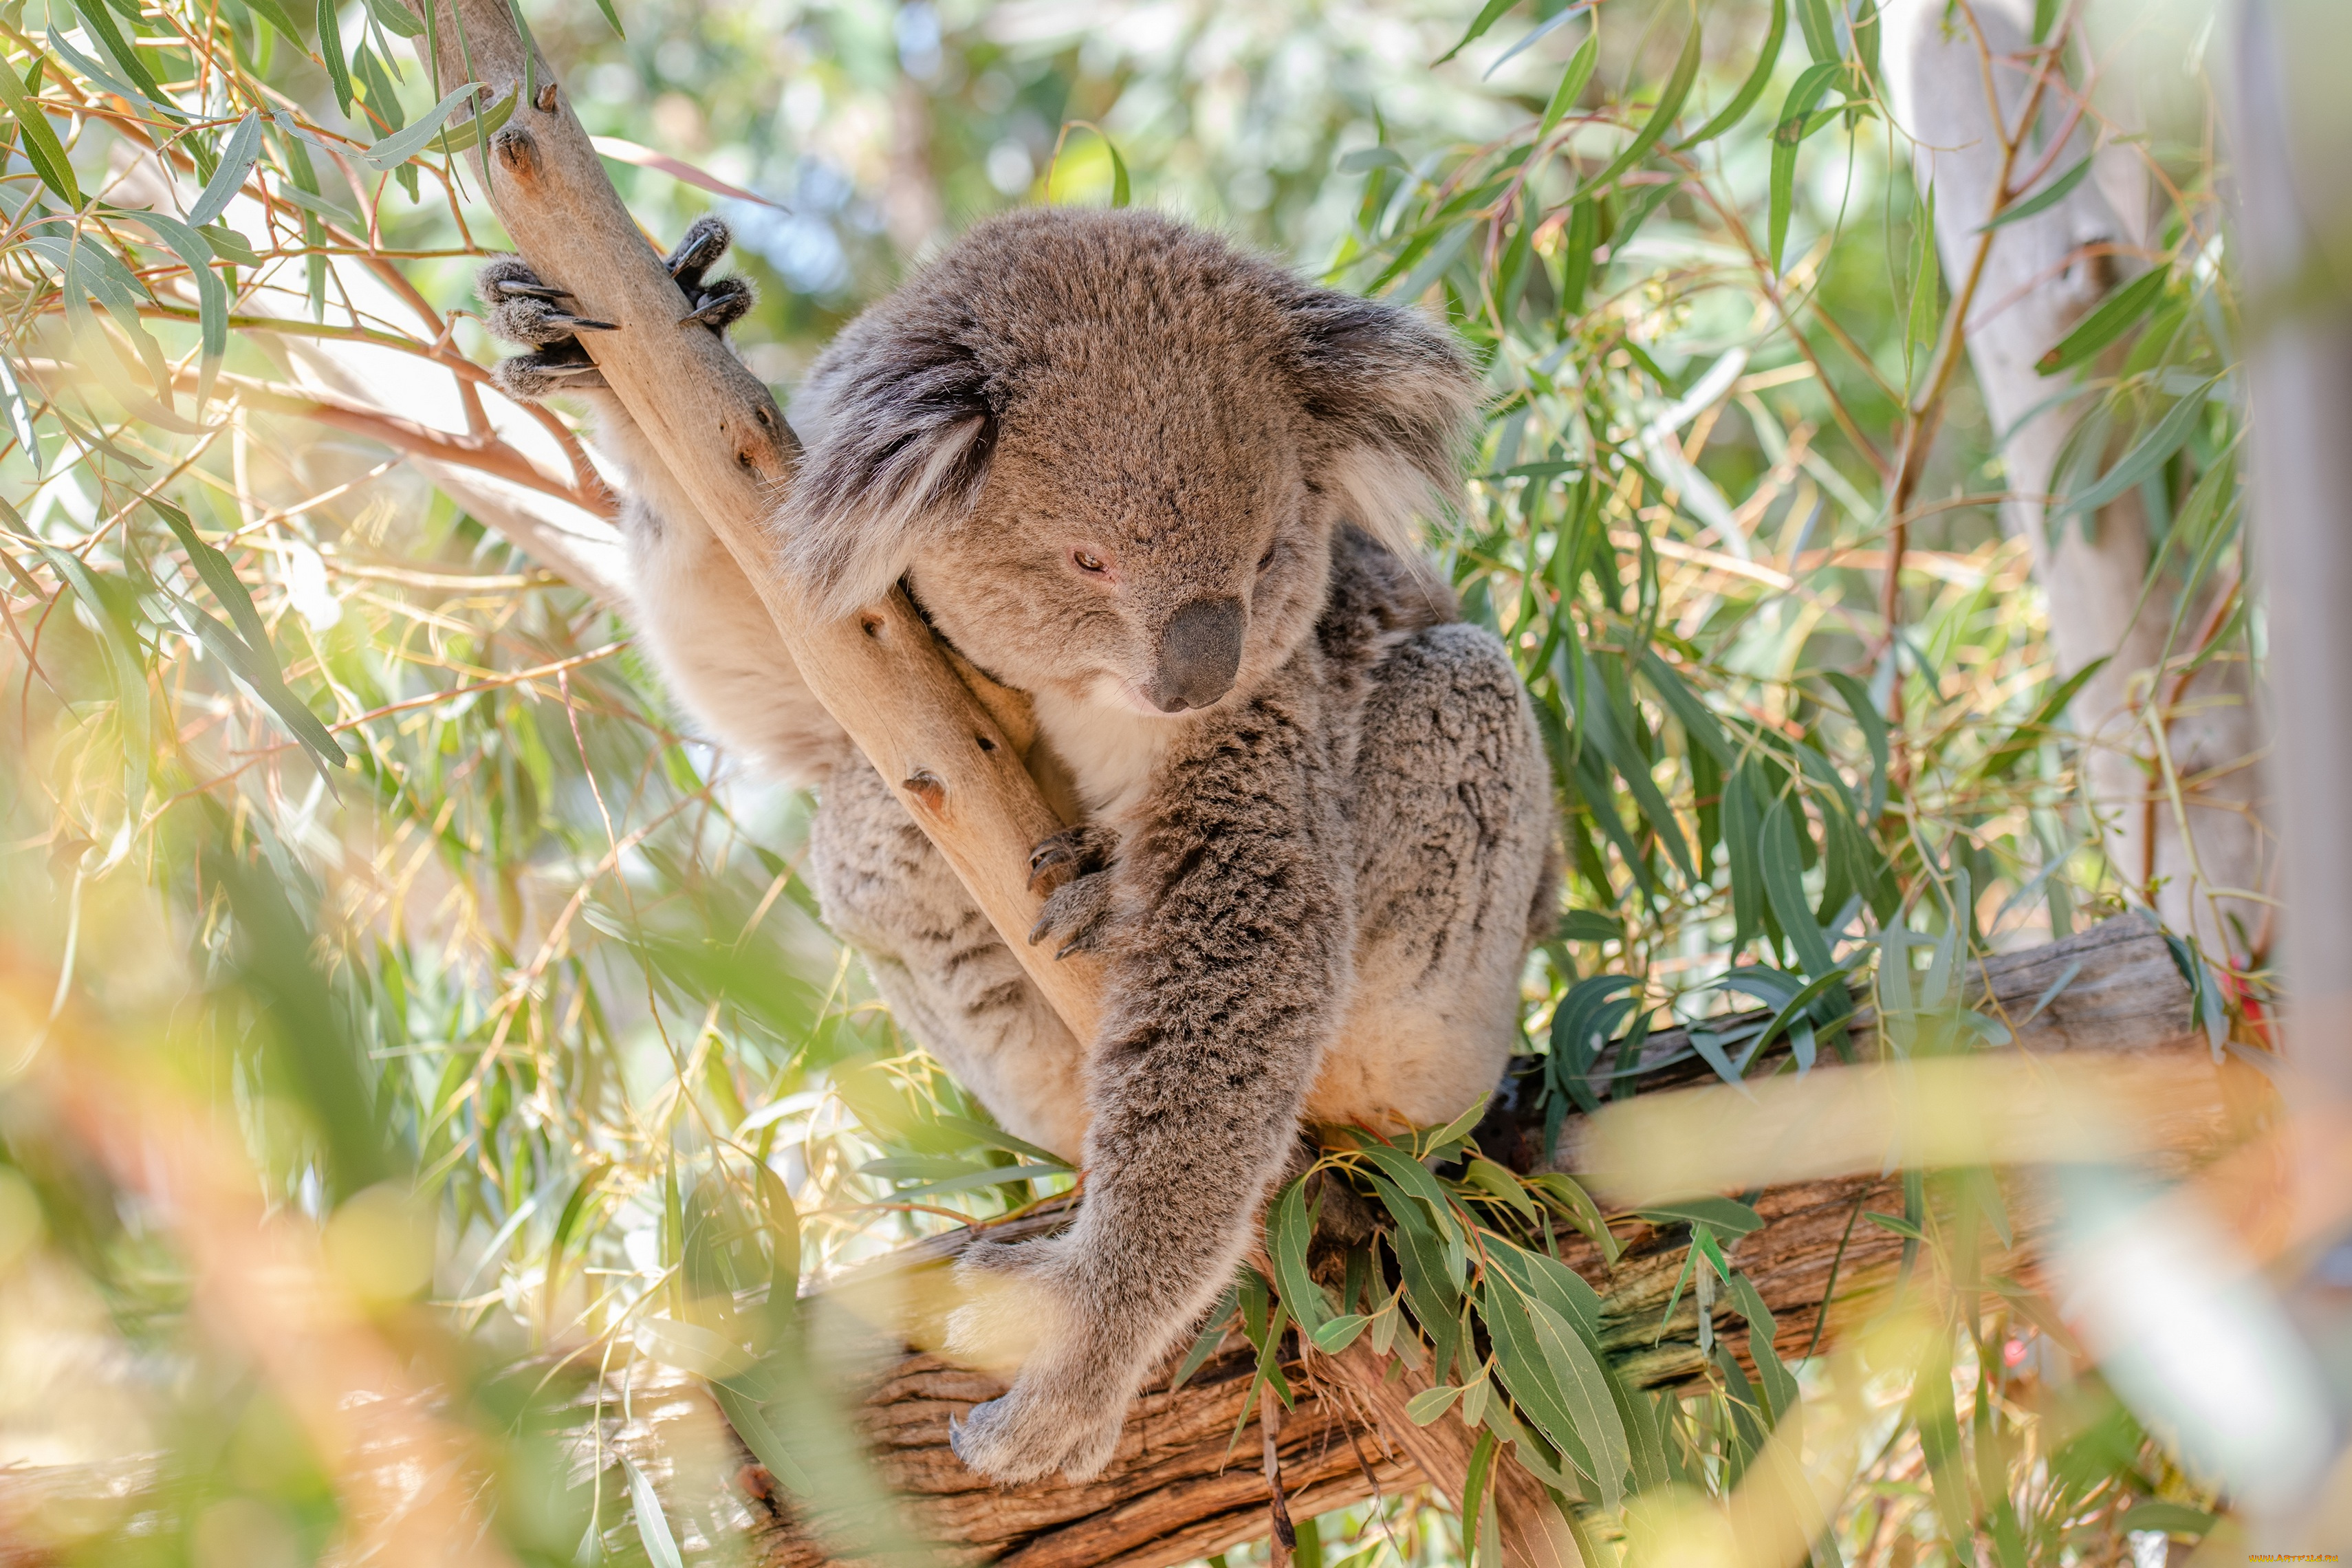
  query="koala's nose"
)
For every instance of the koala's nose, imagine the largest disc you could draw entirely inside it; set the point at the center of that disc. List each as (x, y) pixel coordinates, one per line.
(1200, 654)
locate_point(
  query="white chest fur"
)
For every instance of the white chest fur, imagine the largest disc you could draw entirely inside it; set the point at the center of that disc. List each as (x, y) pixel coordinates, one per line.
(1109, 749)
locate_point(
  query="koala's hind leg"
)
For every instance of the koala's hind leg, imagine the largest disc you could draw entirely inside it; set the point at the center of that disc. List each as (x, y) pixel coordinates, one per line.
(949, 980)
(1454, 819)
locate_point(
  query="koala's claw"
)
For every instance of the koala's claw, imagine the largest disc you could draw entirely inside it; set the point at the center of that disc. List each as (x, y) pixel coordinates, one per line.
(523, 309)
(706, 241)
(1082, 849)
(1078, 913)
(723, 303)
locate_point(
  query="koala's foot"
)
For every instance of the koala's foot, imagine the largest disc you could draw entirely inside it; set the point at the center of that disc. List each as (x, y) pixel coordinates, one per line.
(1061, 1412)
(1075, 865)
(523, 309)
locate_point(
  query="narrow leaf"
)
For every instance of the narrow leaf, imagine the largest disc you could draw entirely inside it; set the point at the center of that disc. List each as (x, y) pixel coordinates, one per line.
(1489, 15)
(1752, 90)
(2115, 315)
(42, 148)
(2049, 196)
(1661, 118)
(237, 156)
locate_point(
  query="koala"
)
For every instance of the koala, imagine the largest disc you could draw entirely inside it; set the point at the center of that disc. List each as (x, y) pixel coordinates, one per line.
(1167, 489)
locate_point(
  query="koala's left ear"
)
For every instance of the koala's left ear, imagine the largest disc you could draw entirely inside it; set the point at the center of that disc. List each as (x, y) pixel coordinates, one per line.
(901, 429)
(1394, 393)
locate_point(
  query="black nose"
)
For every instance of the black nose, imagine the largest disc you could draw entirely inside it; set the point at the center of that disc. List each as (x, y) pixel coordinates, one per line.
(1200, 654)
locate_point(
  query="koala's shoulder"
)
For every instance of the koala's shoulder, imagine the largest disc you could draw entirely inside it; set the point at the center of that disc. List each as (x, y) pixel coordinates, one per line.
(1377, 597)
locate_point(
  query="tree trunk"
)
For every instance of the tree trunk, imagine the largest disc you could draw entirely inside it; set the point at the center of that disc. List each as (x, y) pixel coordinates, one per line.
(2042, 274)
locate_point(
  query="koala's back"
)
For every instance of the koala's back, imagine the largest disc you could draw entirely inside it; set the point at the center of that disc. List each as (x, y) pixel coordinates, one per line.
(1451, 816)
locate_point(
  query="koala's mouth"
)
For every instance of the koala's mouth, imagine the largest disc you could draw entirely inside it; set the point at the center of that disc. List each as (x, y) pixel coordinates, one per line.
(1112, 689)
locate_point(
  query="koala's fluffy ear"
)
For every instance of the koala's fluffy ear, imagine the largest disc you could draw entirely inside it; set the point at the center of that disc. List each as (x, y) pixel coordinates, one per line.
(900, 430)
(1394, 393)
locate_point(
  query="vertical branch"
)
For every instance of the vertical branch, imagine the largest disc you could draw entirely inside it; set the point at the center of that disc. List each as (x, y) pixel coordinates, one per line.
(879, 673)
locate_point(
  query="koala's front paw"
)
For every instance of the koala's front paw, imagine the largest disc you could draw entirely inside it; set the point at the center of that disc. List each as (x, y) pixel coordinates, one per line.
(523, 309)
(1075, 865)
(1065, 1412)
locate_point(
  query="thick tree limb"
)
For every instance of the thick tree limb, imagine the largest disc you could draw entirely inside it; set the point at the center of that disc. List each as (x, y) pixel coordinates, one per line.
(1813, 1258)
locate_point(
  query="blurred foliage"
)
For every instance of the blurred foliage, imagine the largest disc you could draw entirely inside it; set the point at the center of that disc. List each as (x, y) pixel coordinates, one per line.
(361, 895)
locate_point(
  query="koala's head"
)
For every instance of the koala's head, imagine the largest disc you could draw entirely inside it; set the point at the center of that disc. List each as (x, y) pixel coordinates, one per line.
(1108, 451)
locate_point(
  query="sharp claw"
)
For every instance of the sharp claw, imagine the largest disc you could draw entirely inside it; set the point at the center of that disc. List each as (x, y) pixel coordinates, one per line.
(1041, 931)
(565, 370)
(582, 324)
(704, 312)
(1079, 944)
(535, 290)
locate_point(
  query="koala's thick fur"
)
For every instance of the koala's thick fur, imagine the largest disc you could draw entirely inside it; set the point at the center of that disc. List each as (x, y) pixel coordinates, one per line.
(1167, 489)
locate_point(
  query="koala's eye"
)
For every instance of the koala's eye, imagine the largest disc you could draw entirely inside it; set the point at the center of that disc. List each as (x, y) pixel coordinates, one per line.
(1087, 561)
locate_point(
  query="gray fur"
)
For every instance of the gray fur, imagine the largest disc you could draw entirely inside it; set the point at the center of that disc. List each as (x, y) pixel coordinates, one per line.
(1313, 887)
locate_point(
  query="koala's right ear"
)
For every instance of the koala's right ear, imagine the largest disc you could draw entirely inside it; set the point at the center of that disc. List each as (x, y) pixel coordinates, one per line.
(905, 430)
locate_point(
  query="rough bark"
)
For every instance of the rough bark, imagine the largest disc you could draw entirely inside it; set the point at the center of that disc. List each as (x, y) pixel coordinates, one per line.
(2042, 274)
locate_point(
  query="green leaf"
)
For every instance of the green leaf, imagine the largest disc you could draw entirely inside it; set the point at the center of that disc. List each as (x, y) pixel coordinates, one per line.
(988, 1137)
(481, 127)
(1121, 192)
(1569, 1196)
(1410, 1176)
(402, 145)
(1873, 724)
(212, 295)
(100, 23)
(1896, 1223)
(1288, 1230)
(330, 50)
(1442, 1142)
(2049, 196)
(1784, 888)
(2116, 314)
(397, 19)
(1728, 1215)
(2029, 734)
(1431, 1403)
(1339, 1333)
(1752, 90)
(1489, 15)
(109, 81)
(1489, 1177)
(2152, 449)
(1820, 32)
(1697, 719)
(1742, 840)
(42, 148)
(126, 657)
(1580, 1405)
(653, 1527)
(1211, 1335)
(274, 11)
(1572, 80)
(749, 1417)
(1866, 31)
(2173, 1518)
(1661, 118)
(1796, 112)
(238, 155)
(1927, 278)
